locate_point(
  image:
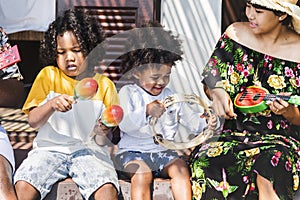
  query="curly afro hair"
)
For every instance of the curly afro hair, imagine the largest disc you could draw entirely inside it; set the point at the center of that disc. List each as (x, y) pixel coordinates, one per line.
(87, 30)
(151, 44)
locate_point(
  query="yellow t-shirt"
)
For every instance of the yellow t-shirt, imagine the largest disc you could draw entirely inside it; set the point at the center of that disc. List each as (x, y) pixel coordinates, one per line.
(69, 131)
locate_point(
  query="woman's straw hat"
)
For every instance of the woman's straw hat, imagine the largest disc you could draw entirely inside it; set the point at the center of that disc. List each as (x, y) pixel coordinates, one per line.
(287, 6)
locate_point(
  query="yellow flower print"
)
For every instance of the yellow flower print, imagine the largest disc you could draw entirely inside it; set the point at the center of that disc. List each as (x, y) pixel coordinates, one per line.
(276, 81)
(239, 133)
(215, 144)
(234, 78)
(248, 163)
(252, 152)
(197, 190)
(293, 82)
(296, 182)
(224, 84)
(215, 151)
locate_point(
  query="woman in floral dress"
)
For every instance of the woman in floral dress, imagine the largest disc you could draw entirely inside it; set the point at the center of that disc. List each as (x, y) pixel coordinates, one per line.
(257, 153)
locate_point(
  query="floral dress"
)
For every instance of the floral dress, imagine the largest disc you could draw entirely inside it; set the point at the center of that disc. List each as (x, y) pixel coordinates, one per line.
(225, 167)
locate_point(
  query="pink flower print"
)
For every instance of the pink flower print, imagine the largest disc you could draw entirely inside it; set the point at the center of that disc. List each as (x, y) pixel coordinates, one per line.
(240, 67)
(270, 124)
(246, 179)
(245, 58)
(278, 154)
(270, 66)
(285, 140)
(275, 158)
(204, 147)
(222, 45)
(230, 69)
(245, 73)
(214, 72)
(249, 67)
(212, 62)
(288, 165)
(298, 65)
(283, 124)
(274, 161)
(265, 64)
(268, 58)
(298, 165)
(298, 81)
(288, 72)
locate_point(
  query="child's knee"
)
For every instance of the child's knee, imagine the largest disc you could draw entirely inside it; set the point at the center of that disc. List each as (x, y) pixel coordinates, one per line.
(142, 178)
(106, 191)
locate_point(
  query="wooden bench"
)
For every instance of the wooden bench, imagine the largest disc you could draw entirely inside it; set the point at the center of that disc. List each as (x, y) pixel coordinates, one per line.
(21, 136)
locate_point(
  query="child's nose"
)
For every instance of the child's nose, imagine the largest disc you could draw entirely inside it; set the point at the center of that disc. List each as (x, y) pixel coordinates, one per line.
(161, 81)
(69, 56)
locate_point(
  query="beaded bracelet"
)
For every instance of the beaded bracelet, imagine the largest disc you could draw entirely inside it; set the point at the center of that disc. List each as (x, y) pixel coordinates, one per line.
(219, 84)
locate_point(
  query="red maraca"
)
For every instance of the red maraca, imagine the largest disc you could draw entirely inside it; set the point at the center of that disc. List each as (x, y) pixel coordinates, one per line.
(112, 116)
(85, 89)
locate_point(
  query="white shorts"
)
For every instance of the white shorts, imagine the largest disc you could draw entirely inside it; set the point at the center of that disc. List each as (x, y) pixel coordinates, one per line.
(88, 169)
(6, 149)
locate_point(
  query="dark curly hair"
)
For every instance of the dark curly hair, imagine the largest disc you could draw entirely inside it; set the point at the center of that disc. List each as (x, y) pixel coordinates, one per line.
(151, 44)
(87, 30)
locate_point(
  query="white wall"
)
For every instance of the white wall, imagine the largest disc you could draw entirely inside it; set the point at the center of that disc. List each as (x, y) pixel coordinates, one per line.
(198, 22)
(26, 15)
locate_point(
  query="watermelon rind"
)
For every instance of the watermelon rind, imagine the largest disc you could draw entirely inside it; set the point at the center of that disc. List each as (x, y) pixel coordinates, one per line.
(253, 109)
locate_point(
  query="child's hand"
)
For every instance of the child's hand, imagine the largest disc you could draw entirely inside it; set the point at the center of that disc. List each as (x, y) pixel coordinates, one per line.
(62, 103)
(101, 133)
(155, 109)
(101, 129)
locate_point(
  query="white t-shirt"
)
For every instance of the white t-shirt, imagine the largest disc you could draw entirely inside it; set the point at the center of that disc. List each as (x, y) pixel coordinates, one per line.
(136, 132)
(6, 149)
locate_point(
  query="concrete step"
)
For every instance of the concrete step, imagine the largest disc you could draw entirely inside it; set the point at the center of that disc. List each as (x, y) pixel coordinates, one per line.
(68, 190)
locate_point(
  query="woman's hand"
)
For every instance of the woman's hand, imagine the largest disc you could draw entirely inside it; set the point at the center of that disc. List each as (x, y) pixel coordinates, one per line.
(287, 110)
(222, 104)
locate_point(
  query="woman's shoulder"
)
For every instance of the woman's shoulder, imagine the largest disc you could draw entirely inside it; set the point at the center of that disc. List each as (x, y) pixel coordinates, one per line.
(285, 49)
(239, 32)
